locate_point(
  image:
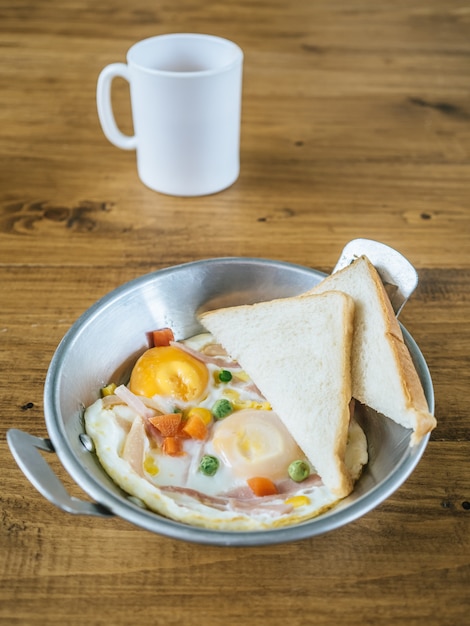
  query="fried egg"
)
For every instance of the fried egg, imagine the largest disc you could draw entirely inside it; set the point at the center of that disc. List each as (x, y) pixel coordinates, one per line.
(189, 432)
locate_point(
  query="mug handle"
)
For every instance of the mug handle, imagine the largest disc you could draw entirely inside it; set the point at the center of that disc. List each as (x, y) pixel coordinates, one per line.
(105, 109)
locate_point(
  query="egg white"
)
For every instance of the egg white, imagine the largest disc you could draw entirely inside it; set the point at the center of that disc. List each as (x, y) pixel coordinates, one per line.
(174, 487)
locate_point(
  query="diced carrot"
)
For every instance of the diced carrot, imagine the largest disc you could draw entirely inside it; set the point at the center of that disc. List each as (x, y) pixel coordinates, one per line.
(203, 413)
(168, 424)
(181, 432)
(195, 427)
(173, 446)
(162, 337)
(262, 486)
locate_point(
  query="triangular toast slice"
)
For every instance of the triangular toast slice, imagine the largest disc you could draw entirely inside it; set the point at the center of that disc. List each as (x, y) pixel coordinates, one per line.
(298, 353)
(383, 374)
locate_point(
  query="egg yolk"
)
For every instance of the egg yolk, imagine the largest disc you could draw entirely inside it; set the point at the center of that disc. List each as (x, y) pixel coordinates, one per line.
(255, 443)
(169, 371)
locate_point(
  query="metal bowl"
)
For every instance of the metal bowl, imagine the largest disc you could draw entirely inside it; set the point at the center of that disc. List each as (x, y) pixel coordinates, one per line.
(105, 342)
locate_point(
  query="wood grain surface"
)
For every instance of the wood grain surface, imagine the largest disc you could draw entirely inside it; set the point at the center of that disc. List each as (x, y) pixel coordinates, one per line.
(356, 123)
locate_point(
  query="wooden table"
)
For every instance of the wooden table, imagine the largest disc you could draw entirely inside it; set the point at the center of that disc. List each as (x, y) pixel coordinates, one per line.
(356, 123)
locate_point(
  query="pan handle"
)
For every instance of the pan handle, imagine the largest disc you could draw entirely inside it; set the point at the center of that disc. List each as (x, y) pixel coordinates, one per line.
(398, 275)
(25, 450)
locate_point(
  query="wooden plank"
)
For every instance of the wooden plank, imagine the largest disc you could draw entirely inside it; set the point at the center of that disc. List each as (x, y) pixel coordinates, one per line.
(355, 124)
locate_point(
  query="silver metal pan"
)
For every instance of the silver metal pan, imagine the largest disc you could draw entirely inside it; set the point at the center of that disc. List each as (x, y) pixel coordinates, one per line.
(105, 342)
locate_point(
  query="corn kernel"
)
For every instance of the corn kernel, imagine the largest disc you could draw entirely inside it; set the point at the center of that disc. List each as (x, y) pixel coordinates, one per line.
(239, 404)
(108, 390)
(241, 375)
(252, 404)
(201, 412)
(231, 395)
(298, 501)
(150, 466)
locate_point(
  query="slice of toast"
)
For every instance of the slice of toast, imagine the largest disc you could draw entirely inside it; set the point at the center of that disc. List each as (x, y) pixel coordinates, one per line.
(298, 352)
(383, 374)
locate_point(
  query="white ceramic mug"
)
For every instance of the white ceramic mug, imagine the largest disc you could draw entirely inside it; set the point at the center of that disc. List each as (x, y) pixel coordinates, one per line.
(185, 94)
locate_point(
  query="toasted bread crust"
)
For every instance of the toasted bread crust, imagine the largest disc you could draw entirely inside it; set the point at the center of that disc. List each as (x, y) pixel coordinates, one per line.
(304, 373)
(410, 407)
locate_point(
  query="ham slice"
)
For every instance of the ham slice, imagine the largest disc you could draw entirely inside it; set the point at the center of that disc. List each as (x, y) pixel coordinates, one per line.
(240, 505)
(133, 401)
(219, 360)
(134, 446)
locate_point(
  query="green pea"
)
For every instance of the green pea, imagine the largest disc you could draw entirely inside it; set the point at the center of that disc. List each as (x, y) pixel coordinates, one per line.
(299, 471)
(225, 376)
(222, 408)
(209, 465)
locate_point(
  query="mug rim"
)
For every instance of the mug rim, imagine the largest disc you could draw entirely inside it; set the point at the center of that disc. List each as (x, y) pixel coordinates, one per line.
(236, 60)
